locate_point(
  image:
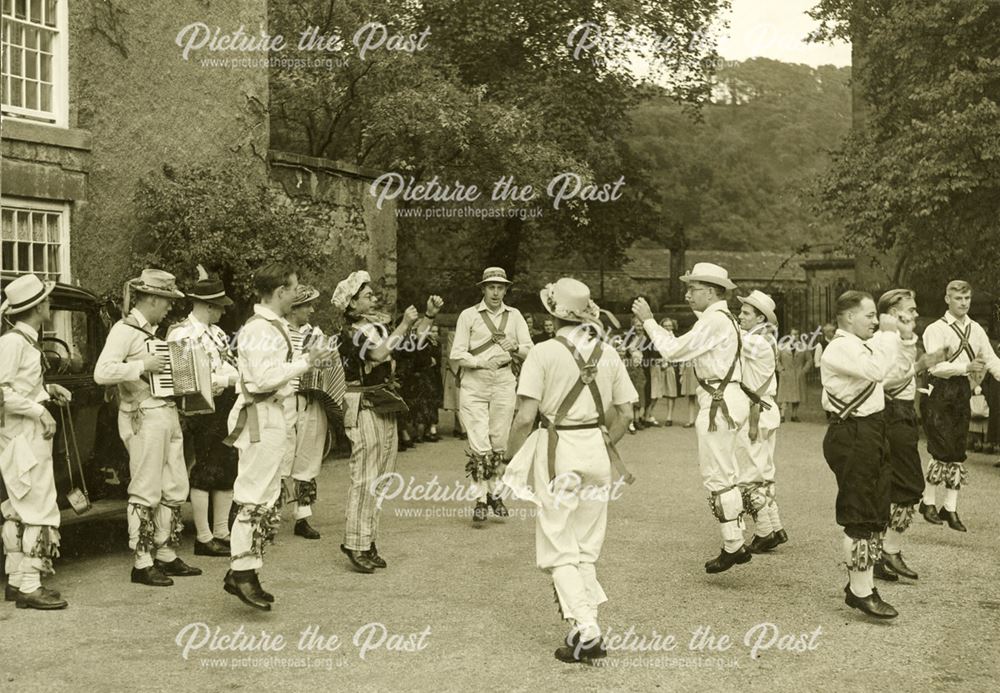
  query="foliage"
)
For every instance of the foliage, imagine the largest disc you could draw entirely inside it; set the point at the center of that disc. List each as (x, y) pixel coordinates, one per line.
(497, 92)
(231, 226)
(738, 178)
(922, 176)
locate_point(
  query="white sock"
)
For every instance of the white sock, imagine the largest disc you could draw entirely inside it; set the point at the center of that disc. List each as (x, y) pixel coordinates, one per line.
(930, 494)
(14, 579)
(302, 511)
(763, 524)
(30, 581)
(892, 542)
(772, 511)
(732, 535)
(869, 579)
(199, 507)
(222, 501)
(859, 583)
(951, 499)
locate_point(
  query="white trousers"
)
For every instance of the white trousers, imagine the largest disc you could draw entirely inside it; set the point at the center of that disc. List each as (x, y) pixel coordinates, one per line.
(159, 477)
(487, 408)
(572, 522)
(719, 450)
(258, 481)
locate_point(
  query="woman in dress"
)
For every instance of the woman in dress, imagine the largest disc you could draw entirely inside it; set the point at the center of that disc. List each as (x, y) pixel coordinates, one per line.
(794, 362)
(671, 376)
(632, 356)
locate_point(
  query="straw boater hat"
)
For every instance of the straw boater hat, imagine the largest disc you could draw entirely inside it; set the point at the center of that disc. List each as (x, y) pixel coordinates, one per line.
(348, 289)
(494, 275)
(708, 273)
(304, 294)
(209, 290)
(569, 299)
(24, 293)
(762, 302)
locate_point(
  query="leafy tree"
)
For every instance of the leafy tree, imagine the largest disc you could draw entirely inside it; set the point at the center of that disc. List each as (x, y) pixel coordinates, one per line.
(497, 92)
(738, 177)
(231, 226)
(921, 173)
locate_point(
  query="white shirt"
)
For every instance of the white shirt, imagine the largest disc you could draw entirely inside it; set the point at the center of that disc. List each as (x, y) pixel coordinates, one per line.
(471, 331)
(214, 341)
(710, 344)
(21, 373)
(263, 351)
(940, 334)
(759, 363)
(847, 368)
(904, 358)
(550, 372)
(120, 362)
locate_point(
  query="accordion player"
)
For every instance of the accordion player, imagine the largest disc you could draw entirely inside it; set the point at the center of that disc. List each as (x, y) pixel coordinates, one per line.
(187, 377)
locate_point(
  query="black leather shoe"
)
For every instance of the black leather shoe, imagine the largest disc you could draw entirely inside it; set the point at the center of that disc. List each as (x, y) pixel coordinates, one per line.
(432, 438)
(575, 653)
(374, 558)
(479, 514)
(213, 547)
(761, 544)
(882, 571)
(264, 594)
(10, 593)
(873, 605)
(304, 529)
(41, 599)
(930, 514)
(495, 503)
(951, 517)
(151, 576)
(177, 568)
(781, 537)
(895, 562)
(725, 560)
(358, 560)
(244, 585)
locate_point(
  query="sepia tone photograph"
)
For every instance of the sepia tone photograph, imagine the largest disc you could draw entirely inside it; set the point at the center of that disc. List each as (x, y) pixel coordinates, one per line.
(444, 345)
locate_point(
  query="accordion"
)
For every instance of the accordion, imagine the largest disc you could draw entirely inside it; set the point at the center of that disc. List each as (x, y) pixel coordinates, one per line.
(328, 386)
(187, 376)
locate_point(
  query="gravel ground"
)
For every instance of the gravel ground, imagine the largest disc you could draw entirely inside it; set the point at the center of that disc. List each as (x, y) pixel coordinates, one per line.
(491, 616)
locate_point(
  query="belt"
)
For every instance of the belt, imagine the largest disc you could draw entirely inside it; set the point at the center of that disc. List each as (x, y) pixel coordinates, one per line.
(553, 440)
(833, 419)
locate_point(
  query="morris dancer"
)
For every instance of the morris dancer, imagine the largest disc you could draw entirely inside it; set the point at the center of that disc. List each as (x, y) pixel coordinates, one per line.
(307, 419)
(257, 426)
(855, 446)
(370, 407)
(488, 337)
(213, 471)
(758, 322)
(714, 346)
(30, 513)
(946, 411)
(150, 429)
(582, 391)
(897, 337)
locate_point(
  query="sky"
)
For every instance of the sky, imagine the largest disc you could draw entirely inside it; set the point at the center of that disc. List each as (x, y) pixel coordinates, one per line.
(776, 29)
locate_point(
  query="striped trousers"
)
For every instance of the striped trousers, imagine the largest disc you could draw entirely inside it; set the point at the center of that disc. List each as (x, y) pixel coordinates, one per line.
(373, 455)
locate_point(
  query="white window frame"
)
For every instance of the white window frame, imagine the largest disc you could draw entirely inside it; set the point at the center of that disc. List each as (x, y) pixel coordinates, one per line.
(61, 208)
(59, 116)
